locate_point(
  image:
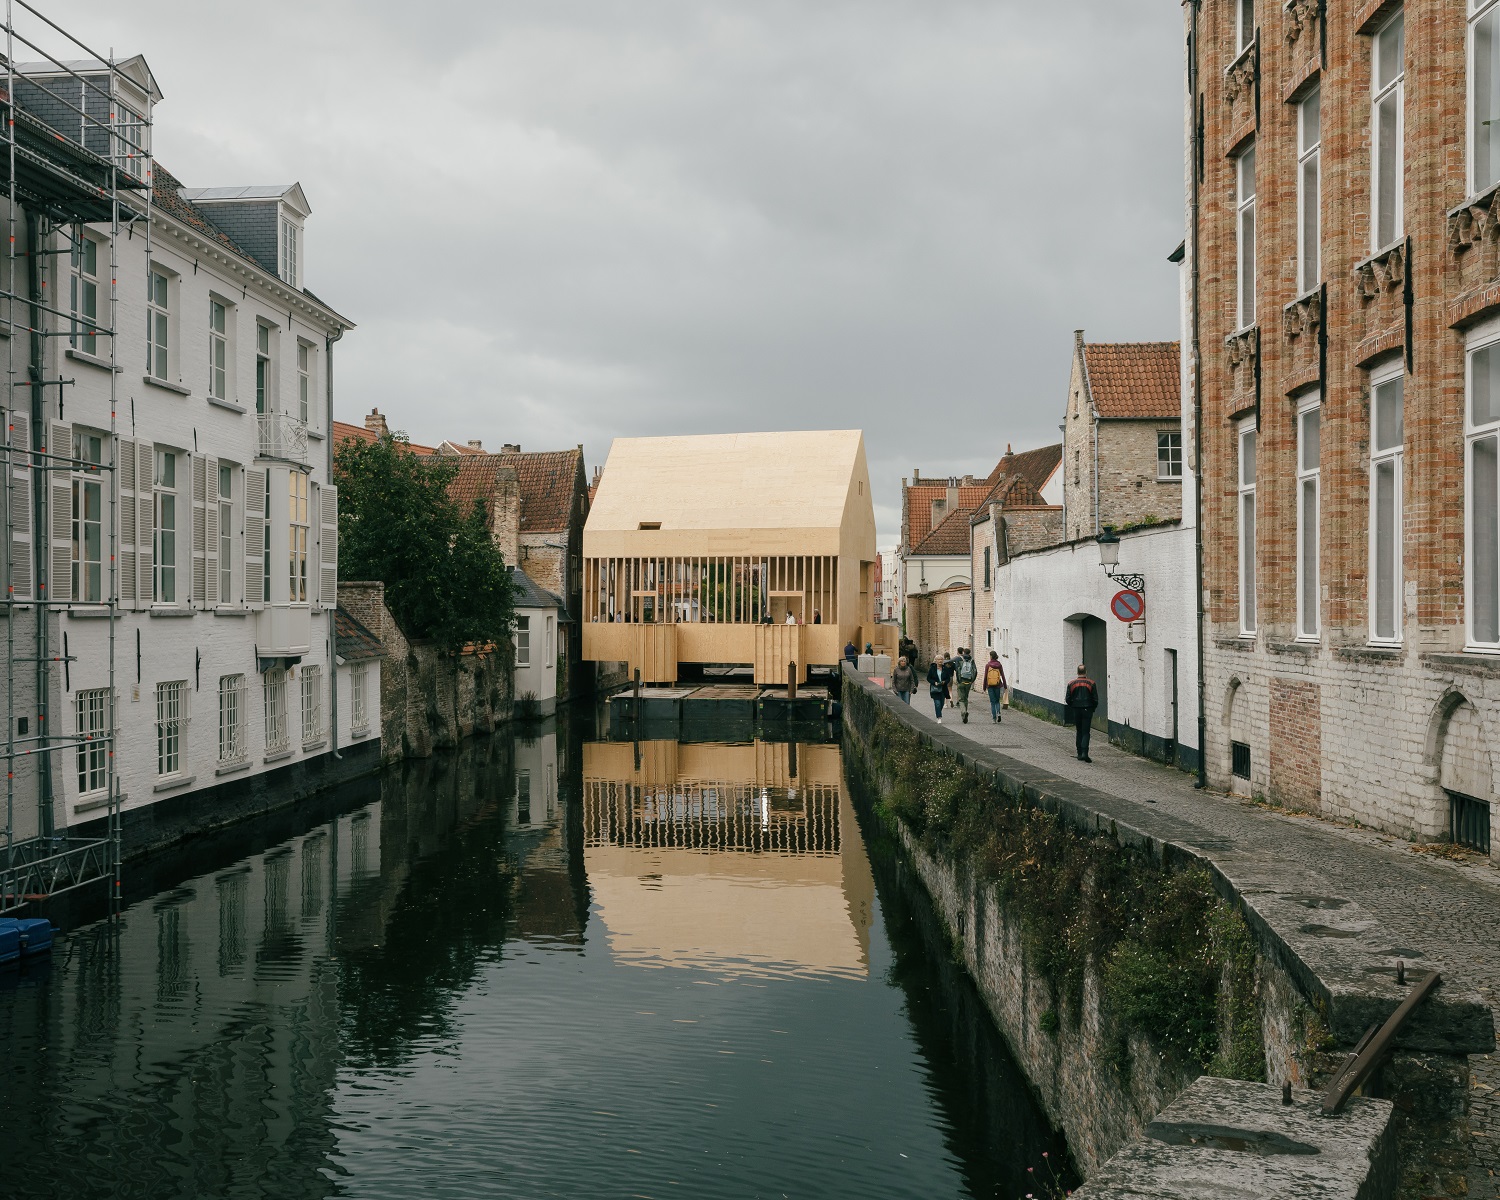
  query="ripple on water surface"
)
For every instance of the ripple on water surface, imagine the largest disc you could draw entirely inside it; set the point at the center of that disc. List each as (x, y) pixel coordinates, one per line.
(547, 969)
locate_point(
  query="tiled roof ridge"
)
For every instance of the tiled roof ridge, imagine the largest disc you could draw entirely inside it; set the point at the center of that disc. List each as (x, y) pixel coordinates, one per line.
(953, 528)
(1134, 380)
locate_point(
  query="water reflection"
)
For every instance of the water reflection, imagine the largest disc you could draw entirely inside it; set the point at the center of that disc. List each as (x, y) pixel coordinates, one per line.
(435, 986)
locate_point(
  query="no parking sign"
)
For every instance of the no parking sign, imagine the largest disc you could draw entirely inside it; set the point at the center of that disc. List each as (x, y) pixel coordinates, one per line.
(1128, 606)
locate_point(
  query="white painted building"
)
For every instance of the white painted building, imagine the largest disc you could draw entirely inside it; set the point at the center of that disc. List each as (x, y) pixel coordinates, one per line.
(220, 512)
(537, 614)
(890, 586)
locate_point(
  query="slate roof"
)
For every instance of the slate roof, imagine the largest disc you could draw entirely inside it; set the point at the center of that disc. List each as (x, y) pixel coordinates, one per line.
(1134, 380)
(475, 481)
(547, 479)
(352, 641)
(342, 431)
(165, 194)
(530, 595)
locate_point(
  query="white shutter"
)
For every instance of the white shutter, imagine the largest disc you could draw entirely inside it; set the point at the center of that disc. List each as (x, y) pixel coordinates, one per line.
(145, 477)
(200, 528)
(60, 513)
(255, 533)
(211, 536)
(20, 512)
(328, 546)
(126, 510)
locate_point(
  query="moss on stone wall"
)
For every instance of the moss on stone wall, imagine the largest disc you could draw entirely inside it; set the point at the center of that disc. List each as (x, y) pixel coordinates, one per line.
(1174, 961)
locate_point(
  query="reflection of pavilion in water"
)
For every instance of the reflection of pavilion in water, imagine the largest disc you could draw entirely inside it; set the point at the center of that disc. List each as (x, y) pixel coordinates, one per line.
(729, 858)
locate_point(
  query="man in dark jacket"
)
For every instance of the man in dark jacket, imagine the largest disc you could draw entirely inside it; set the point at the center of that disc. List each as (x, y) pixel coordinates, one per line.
(1082, 698)
(851, 653)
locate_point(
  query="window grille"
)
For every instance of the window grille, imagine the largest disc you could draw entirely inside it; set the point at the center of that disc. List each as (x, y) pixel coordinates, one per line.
(275, 693)
(358, 720)
(1239, 753)
(231, 718)
(91, 709)
(171, 715)
(1469, 822)
(312, 703)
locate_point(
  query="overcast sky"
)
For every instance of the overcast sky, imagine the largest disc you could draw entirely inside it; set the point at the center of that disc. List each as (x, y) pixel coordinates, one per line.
(563, 221)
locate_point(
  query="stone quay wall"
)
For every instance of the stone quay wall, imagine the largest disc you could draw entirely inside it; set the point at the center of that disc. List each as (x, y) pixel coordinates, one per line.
(1051, 890)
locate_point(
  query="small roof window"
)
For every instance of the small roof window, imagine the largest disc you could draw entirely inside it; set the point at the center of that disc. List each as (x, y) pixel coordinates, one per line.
(650, 524)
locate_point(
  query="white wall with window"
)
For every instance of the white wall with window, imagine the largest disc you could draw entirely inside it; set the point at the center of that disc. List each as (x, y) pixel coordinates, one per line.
(1387, 445)
(1387, 134)
(1245, 449)
(92, 711)
(1309, 192)
(312, 704)
(1245, 236)
(161, 329)
(233, 697)
(535, 637)
(164, 518)
(274, 697)
(1169, 454)
(171, 726)
(1309, 509)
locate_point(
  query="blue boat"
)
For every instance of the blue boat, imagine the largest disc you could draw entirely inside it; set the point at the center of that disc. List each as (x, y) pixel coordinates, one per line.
(10, 941)
(36, 936)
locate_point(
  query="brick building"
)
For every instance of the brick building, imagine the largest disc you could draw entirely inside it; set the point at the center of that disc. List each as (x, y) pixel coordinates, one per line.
(1343, 164)
(1124, 412)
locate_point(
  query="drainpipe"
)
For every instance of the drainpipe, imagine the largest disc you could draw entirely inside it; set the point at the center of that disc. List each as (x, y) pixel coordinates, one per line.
(333, 637)
(1195, 374)
(37, 237)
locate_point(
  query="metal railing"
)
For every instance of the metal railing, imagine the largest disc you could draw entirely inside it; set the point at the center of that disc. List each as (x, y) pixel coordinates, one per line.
(282, 436)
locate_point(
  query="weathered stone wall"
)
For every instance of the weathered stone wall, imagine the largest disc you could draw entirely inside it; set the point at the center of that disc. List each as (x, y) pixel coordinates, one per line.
(430, 699)
(1100, 1076)
(938, 622)
(1129, 491)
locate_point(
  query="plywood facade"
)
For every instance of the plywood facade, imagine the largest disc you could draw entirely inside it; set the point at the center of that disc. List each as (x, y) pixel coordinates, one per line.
(712, 535)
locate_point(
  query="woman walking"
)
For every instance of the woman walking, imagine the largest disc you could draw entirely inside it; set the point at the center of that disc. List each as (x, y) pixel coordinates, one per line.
(938, 675)
(903, 680)
(994, 684)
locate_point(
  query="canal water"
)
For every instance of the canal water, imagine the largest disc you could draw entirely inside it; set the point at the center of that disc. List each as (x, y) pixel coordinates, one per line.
(542, 966)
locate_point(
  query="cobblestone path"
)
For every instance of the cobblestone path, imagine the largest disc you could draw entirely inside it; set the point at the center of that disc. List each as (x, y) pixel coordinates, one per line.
(1449, 908)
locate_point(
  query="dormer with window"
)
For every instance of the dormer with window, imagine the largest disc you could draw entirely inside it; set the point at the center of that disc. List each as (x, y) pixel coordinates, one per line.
(107, 112)
(267, 222)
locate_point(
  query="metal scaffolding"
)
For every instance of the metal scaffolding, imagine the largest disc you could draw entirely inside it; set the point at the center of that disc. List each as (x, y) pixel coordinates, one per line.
(56, 184)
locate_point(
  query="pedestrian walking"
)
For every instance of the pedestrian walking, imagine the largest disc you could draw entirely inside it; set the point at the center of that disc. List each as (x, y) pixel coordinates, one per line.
(994, 685)
(1082, 699)
(851, 653)
(968, 672)
(903, 680)
(939, 677)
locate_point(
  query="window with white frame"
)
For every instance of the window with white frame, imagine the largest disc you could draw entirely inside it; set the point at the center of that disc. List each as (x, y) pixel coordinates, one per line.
(297, 536)
(227, 555)
(1309, 498)
(1387, 440)
(171, 716)
(164, 528)
(1246, 452)
(218, 349)
(131, 149)
(1309, 192)
(358, 718)
(274, 688)
(289, 252)
(1244, 24)
(1387, 131)
(91, 712)
(1482, 477)
(523, 641)
(1484, 95)
(304, 381)
(158, 323)
(551, 642)
(312, 703)
(263, 374)
(231, 718)
(88, 518)
(83, 295)
(1168, 455)
(1245, 208)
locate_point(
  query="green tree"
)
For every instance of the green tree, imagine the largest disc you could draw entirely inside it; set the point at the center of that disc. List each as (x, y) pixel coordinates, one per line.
(444, 577)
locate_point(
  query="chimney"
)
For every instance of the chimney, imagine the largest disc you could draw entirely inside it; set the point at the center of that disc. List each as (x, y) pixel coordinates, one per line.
(952, 496)
(476, 444)
(916, 475)
(968, 481)
(375, 423)
(510, 448)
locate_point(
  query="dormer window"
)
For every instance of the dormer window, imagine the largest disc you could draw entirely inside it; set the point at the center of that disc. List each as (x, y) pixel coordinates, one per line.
(288, 252)
(130, 143)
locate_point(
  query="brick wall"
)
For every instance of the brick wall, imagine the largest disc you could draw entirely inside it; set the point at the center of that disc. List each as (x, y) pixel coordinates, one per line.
(1382, 706)
(1129, 491)
(1296, 742)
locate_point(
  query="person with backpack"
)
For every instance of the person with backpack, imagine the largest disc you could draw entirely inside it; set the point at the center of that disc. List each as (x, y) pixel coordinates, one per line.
(994, 684)
(938, 675)
(968, 672)
(1082, 699)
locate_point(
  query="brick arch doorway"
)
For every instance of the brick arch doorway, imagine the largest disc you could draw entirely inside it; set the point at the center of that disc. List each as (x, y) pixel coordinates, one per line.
(1087, 643)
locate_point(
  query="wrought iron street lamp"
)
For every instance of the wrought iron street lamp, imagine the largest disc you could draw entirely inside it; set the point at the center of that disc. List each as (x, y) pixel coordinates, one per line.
(1109, 559)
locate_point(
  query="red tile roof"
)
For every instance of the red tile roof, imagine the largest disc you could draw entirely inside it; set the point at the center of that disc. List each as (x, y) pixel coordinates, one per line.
(951, 535)
(342, 432)
(1134, 380)
(475, 481)
(919, 498)
(548, 479)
